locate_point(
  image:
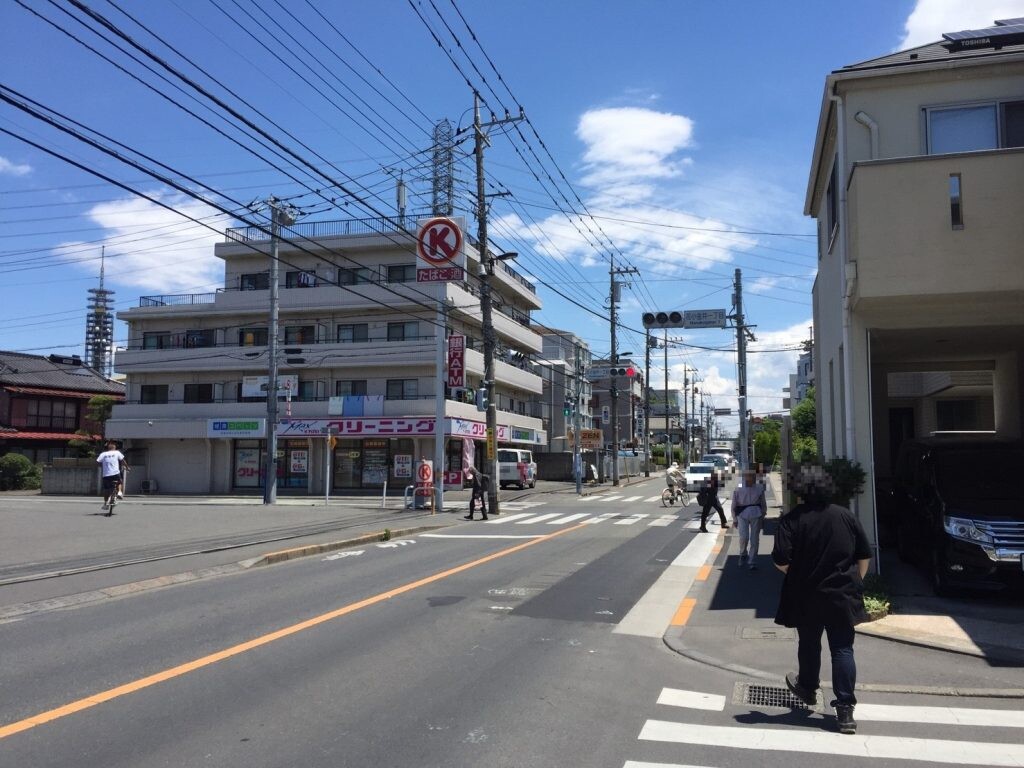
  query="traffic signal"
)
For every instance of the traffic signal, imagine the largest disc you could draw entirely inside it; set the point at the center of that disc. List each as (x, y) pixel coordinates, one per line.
(482, 400)
(567, 408)
(628, 371)
(663, 319)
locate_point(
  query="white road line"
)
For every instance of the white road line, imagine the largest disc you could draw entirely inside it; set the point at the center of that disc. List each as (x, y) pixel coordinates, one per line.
(653, 498)
(478, 536)
(633, 498)
(826, 743)
(538, 518)
(509, 518)
(568, 518)
(635, 764)
(663, 520)
(696, 553)
(606, 498)
(601, 518)
(674, 697)
(631, 519)
(889, 713)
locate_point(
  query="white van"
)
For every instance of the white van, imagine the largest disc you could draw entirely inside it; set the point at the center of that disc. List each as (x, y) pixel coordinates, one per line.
(516, 467)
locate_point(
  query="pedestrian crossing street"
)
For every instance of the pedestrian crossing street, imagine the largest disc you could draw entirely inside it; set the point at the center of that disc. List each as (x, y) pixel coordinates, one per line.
(962, 735)
(527, 512)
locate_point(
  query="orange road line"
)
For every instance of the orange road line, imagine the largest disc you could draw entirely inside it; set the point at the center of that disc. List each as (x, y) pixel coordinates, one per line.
(683, 613)
(716, 549)
(257, 642)
(703, 573)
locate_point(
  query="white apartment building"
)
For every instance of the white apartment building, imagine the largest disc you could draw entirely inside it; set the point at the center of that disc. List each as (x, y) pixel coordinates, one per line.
(562, 365)
(917, 185)
(358, 356)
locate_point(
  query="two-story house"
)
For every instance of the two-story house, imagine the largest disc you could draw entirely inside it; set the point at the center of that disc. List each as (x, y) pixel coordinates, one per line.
(358, 358)
(917, 185)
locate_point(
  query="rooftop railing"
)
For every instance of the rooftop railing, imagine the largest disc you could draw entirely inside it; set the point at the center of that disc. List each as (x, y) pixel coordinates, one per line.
(314, 229)
(177, 300)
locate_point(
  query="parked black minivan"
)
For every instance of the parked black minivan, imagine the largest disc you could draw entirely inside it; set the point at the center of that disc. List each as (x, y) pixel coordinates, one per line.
(958, 507)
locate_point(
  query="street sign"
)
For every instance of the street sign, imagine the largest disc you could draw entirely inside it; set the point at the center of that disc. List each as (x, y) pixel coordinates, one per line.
(425, 472)
(491, 448)
(440, 256)
(605, 413)
(704, 318)
(723, 411)
(456, 360)
(590, 439)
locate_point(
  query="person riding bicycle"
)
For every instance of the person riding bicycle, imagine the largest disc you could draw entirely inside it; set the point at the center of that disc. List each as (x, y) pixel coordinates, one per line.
(674, 477)
(111, 463)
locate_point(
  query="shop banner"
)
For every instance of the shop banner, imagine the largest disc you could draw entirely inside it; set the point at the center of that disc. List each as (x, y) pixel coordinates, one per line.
(300, 462)
(371, 427)
(403, 465)
(256, 386)
(468, 454)
(236, 427)
(456, 360)
(505, 434)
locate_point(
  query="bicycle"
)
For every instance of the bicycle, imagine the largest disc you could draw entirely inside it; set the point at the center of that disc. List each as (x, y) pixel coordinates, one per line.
(669, 497)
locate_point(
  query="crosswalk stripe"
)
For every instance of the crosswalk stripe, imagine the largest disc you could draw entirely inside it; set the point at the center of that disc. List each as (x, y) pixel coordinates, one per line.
(653, 499)
(508, 518)
(823, 742)
(600, 518)
(568, 518)
(663, 520)
(635, 764)
(890, 713)
(630, 520)
(632, 498)
(606, 498)
(674, 697)
(538, 518)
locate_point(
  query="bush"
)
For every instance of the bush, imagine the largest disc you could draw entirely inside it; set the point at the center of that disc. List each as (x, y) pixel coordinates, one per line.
(805, 450)
(848, 477)
(17, 473)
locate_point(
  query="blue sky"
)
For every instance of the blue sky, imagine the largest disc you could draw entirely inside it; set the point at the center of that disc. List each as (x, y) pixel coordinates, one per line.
(685, 127)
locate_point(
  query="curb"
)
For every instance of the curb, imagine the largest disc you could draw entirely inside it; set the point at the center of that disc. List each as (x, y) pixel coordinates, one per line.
(986, 651)
(284, 555)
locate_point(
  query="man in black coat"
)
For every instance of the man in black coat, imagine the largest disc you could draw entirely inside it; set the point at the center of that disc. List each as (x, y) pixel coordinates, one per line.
(823, 551)
(480, 488)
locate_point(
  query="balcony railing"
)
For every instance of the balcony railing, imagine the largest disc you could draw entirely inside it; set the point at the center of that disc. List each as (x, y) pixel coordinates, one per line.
(177, 300)
(315, 229)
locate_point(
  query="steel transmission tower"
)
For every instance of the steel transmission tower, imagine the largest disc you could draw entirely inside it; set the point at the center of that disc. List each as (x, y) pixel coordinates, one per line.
(443, 197)
(99, 328)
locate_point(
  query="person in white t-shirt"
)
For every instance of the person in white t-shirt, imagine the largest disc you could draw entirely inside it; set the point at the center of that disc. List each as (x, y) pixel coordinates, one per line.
(111, 462)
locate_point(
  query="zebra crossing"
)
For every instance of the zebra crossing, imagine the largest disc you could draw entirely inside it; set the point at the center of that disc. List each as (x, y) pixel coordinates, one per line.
(962, 735)
(518, 517)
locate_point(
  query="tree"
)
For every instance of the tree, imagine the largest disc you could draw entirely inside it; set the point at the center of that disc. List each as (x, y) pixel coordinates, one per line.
(90, 436)
(17, 473)
(805, 425)
(767, 443)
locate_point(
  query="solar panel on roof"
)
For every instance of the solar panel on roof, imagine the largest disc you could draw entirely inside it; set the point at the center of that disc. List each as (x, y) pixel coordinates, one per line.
(1005, 32)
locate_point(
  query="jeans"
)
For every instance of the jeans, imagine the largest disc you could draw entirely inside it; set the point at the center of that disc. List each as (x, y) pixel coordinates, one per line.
(840, 644)
(750, 534)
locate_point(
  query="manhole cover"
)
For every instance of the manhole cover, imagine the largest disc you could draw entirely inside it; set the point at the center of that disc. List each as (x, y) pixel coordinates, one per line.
(753, 633)
(767, 696)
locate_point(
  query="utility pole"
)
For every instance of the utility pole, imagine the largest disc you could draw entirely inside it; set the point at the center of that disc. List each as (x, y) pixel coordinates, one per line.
(647, 401)
(279, 215)
(486, 272)
(742, 333)
(577, 457)
(668, 435)
(693, 398)
(686, 418)
(613, 379)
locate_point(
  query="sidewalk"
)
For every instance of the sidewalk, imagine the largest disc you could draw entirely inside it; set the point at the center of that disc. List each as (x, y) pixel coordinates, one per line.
(929, 645)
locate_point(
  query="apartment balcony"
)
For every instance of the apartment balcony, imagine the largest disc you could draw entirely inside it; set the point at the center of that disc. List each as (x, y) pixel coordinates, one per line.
(916, 248)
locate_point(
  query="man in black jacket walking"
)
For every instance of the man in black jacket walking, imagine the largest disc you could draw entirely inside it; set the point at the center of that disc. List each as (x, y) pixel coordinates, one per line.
(480, 488)
(822, 549)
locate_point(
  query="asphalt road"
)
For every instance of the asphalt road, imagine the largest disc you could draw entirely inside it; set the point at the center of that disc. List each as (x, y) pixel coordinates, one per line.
(453, 648)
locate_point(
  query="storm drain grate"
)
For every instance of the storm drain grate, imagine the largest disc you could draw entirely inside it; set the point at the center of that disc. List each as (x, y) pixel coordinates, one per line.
(768, 696)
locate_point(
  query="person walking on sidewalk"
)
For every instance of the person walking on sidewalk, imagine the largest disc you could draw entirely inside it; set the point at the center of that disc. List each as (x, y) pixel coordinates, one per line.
(707, 497)
(822, 549)
(111, 462)
(480, 488)
(748, 512)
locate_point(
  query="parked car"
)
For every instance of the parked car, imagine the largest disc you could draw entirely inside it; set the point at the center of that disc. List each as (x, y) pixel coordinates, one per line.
(696, 475)
(958, 509)
(516, 467)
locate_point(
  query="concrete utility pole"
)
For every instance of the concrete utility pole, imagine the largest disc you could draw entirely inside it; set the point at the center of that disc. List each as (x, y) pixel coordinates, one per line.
(742, 333)
(686, 418)
(577, 458)
(613, 389)
(647, 401)
(486, 272)
(279, 215)
(693, 401)
(669, 450)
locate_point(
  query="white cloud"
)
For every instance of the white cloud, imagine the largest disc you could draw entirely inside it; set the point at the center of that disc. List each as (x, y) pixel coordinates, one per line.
(152, 248)
(14, 169)
(630, 144)
(930, 18)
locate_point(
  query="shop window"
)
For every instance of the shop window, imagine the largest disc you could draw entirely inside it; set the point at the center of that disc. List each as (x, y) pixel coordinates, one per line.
(252, 337)
(403, 389)
(353, 332)
(299, 279)
(300, 334)
(350, 387)
(199, 393)
(406, 331)
(402, 273)
(153, 394)
(256, 281)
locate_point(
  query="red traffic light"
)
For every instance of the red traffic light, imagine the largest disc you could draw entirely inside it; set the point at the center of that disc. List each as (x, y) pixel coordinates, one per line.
(631, 372)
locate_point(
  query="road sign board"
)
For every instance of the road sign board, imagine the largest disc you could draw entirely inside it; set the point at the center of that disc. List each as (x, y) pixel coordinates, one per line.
(456, 360)
(425, 472)
(590, 439)
(723, 411)
(439, 244)
(491, 447)
(439, 275)
(704, 318)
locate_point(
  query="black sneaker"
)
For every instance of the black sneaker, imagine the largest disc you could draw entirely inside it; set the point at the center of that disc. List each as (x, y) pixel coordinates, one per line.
(844, 718)
(806, 695)
(467, 517)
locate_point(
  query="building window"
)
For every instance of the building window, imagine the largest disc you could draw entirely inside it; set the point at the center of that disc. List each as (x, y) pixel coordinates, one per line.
(307, 392)
(832, 202)
(300, 334)
(353, 332)
(256, 281)
(299, 279)
(198, 393)
(252, 337)
(975, 127)
(956, 211)
(350, 388)
(51, 414)
(201, 338)
(403, 389)
(156, 340)
(403, 331)
(955, 415)
(353, 276)
(153, 394)
(402, 273)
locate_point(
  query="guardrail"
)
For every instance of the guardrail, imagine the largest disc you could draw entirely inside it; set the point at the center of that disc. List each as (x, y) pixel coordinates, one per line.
(177, 300)
(315, 229)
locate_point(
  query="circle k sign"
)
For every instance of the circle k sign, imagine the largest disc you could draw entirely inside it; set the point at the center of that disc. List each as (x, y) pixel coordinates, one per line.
(439, 242)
